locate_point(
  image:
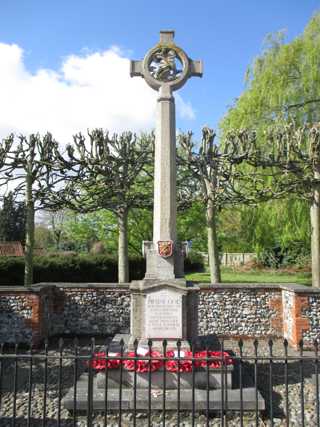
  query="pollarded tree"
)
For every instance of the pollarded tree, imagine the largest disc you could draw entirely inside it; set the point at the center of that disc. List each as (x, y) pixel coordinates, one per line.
(282, 84)
(297, 154)
(229, 174)
(114, 174)
(213, 174)
(30, 165)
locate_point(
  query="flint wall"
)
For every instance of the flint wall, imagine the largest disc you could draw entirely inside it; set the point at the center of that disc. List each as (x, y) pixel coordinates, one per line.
(238, 310)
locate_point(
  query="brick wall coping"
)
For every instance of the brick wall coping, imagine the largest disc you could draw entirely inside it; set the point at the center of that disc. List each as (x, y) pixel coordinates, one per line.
(23, 289)
(293, 287)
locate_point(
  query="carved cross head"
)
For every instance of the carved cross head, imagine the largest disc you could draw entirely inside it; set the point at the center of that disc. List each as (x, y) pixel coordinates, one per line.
(166, 64)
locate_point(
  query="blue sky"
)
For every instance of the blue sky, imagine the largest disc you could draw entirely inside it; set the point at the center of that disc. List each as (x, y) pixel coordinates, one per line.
(56, 45)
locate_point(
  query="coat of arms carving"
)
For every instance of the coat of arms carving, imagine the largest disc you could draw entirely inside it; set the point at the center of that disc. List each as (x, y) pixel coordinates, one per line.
(165, 248)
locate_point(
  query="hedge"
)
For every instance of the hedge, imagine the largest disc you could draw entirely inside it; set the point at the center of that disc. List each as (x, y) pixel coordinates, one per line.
(75, 268)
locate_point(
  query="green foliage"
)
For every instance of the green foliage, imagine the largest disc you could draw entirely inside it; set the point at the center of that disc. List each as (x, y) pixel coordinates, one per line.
(76, 268)
(12, 220)
(43, 238)
(82, 230)
(194, 262)
(265, 276)
(140, 228)
(191, 225)
(281, 223)
(284, 81)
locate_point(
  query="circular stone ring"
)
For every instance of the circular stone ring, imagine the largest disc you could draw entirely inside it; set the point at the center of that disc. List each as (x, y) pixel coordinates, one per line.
(159, 67)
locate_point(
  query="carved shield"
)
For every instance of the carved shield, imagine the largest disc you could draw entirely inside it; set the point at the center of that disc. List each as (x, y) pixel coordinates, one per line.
(165, 248)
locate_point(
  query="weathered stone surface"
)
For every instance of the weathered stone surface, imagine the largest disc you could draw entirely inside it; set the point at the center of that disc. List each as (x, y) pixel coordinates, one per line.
(159, 309)
(201, 380)
(14, 311)
(201, 399)
(95, 311)
(104, 309)
(165, 79)
(240, 312)
(312, 313)
(163, 314)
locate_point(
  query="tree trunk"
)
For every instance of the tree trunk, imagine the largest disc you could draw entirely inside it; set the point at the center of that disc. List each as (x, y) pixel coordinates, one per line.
(213, 253)
(123, 258)
(28, 266)
(315, 233)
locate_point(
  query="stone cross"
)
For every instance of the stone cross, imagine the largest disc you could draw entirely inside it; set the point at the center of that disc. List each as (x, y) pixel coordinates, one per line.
(165, 68)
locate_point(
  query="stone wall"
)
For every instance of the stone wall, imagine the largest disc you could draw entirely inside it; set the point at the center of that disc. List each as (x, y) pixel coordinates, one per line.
(22, 314)
(15, 318)
(239, 310)
(312, 314)
(101, 309)
(234, 310)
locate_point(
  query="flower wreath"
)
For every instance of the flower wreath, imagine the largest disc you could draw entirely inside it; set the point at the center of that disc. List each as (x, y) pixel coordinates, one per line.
(101, 361)
(140, 365)
(183, 364)
(221, 358)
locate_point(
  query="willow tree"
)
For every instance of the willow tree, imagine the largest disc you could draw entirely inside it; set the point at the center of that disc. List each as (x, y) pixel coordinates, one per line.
(29, 165)
(282, 84)
(112, 174)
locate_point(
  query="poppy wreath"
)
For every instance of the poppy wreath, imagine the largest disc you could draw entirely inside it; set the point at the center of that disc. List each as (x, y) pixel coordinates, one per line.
(183, 364)
(100, 361)
(220, 358)
(141, 366)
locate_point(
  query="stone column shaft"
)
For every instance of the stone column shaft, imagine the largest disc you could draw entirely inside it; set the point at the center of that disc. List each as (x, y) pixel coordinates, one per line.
(165, 208)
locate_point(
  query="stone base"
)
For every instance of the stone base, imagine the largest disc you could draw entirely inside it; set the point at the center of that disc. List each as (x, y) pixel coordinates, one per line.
(163, 309)
(207, 389)
(162, 268)
(201, 399)
(201, 379)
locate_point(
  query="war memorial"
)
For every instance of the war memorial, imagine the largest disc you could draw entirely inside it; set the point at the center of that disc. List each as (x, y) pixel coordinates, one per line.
(163, 305)
(167, 352)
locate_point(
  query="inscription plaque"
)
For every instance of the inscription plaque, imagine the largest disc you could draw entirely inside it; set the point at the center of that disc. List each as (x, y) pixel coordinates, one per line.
(164, 314)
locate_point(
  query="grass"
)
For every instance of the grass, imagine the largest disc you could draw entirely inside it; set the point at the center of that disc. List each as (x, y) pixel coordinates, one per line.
(254, 276)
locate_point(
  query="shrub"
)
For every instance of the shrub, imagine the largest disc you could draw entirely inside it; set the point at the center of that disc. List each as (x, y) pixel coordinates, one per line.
(77, 268)
(194, 262)
(277, 256)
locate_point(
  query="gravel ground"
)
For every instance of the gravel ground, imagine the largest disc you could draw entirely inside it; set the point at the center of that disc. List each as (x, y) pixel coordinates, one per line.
(280, 416)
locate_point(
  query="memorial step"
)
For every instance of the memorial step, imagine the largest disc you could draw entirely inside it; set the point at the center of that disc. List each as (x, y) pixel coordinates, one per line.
(201, 379)
(214, 399)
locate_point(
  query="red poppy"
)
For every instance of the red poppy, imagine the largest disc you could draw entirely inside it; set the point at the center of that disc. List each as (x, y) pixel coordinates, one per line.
(220, 358)
(184, 364)
(101, 361)
(139, 365)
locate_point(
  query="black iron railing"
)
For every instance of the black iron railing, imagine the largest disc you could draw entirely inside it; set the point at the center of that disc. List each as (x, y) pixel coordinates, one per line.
(66, 383)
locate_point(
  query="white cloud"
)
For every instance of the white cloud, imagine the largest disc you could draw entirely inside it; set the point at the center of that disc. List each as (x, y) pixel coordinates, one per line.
(92, 90)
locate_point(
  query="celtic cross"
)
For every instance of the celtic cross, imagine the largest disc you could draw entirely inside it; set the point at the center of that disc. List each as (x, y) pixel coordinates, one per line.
(165, 68)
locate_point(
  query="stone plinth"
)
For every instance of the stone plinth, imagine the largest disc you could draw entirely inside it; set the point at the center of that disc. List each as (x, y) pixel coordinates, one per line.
(164, 268)
(213, 379)
(159, 310)
(247, 399)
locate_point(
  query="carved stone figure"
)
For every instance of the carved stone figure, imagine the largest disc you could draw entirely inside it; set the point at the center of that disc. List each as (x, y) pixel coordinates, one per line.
(163, 65)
